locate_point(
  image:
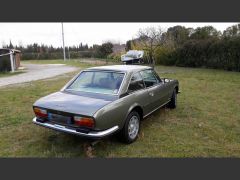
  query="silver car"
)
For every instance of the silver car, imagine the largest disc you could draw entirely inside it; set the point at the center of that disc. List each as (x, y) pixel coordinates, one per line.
(103, 100)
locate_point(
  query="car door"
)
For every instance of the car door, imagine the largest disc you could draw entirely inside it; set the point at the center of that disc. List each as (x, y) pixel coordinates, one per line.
(162, 90)
(155, 87)
(141, 95)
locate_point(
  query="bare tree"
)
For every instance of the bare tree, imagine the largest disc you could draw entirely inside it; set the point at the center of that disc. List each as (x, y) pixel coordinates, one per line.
(150, 38)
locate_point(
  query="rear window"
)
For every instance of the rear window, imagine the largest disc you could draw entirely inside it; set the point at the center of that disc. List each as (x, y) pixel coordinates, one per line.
(104, 82)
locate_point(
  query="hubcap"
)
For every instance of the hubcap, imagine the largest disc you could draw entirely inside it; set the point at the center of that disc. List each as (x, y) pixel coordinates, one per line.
(133, 127)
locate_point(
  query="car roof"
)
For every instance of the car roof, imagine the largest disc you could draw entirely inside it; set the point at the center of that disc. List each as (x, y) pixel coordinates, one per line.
(125, 68)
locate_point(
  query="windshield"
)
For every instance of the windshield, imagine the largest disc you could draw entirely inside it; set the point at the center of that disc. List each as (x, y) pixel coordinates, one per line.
(98, 82)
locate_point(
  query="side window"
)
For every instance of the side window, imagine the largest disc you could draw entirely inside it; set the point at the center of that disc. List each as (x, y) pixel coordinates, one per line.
(136, 83)
(149, 78)
(156, 75)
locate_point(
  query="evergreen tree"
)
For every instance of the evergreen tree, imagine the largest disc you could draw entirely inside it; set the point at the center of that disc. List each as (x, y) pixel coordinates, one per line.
(10, 45)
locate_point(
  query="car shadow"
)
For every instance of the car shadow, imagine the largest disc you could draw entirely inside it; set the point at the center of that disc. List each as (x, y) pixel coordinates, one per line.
(83, 147)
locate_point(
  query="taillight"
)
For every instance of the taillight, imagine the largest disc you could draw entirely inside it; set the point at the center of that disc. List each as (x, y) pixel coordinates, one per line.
(84, 121)
(41, 113)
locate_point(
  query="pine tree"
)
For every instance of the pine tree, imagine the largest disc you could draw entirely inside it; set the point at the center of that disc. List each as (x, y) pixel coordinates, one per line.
(10, 45)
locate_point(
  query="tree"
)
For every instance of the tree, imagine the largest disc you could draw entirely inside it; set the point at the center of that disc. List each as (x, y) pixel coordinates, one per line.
(86, 47)
(150, 38)
(104, 50)
(80, 47)
(128, 45)
(232, 31)
(205, 32)
(176, 36)
(10, 45)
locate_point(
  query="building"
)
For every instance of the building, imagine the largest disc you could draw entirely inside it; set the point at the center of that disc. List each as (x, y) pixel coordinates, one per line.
(9, 59)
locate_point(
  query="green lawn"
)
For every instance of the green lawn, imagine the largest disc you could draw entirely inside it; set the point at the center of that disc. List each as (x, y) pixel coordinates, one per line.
(6, 74)
(206, 122)
(84, 63)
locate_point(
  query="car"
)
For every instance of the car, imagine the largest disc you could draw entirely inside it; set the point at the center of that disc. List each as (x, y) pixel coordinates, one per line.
(105, 100)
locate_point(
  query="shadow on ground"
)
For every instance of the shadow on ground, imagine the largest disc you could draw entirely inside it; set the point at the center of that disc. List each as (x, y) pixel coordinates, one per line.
(67, 144)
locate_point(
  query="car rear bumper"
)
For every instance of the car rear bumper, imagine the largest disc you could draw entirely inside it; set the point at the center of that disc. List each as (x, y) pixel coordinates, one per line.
(91, 134)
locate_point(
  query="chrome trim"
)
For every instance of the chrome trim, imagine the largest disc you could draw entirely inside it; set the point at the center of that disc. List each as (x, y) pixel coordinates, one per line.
(155, 109)
(91, 134)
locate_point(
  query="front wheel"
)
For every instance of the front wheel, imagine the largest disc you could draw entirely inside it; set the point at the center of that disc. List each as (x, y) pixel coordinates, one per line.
(173, 103)
(131, 128)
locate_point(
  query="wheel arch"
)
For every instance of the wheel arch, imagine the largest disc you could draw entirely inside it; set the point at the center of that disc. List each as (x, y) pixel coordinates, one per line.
(137, 108)
(177, 89)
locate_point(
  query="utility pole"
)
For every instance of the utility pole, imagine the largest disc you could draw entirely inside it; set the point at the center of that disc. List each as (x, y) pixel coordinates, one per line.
(64, 54)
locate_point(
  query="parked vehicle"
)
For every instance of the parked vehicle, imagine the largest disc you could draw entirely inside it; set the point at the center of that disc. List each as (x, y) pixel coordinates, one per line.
(133, 57)
(103, 100)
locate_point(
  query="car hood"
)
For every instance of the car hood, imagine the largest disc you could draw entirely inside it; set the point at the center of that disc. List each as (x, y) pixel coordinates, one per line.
(80, 103)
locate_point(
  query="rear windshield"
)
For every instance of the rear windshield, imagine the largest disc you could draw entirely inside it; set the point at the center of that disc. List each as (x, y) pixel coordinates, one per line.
(98, 82)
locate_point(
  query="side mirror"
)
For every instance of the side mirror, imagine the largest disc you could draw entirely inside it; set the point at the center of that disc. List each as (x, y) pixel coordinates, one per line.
(165, 80)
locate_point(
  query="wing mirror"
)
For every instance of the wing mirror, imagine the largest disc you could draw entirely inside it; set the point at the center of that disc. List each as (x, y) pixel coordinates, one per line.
(166, 80)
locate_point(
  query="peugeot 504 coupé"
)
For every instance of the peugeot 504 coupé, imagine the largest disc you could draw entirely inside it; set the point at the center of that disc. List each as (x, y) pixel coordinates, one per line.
(104, 100)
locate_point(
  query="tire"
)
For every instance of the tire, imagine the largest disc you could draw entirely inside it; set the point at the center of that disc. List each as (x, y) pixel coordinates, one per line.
(173, 103)
(129, 132)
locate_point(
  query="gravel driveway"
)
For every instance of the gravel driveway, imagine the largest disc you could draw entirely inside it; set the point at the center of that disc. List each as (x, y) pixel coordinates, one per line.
(36, 72)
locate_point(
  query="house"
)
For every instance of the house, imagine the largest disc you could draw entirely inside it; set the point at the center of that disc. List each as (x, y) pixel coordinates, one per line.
(9, 59)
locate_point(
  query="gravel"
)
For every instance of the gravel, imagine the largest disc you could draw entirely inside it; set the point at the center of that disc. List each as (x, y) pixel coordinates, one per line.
(36, 72)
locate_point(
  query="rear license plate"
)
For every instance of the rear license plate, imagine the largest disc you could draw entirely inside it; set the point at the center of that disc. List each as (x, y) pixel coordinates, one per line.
(57, 118)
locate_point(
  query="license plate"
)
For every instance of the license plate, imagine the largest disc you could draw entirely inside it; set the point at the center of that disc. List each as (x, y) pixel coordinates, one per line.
(57, 118)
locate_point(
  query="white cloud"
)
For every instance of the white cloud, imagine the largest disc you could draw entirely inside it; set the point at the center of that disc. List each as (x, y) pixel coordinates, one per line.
(91, 33)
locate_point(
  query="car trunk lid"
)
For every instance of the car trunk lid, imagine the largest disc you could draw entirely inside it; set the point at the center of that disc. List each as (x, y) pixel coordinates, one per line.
(75, 103)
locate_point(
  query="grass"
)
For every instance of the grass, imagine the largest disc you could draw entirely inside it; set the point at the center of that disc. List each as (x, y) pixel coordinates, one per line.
(7, 74)
(83, 63)
(206, 122)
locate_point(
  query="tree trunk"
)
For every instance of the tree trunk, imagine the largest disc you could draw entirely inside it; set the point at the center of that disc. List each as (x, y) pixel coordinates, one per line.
(150, 57)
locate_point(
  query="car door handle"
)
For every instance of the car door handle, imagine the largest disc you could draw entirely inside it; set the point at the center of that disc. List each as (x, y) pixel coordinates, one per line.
(151, 94)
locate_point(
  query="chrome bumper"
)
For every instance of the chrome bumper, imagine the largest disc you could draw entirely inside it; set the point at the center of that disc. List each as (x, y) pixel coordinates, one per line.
(92, 134)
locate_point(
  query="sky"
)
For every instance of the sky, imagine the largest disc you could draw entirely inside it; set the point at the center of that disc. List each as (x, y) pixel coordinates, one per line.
(75, 33)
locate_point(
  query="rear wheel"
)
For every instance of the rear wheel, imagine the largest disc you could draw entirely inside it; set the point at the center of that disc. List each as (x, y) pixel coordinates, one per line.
(173, 103)
(131, 128)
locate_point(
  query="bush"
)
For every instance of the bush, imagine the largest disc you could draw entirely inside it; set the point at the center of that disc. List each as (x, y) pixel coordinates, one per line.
(115, 57)
(210, 53)
(86, 54)
(163, 55)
